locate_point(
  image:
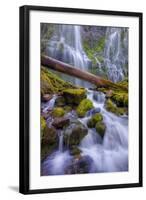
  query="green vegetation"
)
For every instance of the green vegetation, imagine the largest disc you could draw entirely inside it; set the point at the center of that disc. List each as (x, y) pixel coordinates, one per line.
(43, 126)
(74, 96)
(111, 107)
(94, 119)
(51, 83)
(92, 51)
(83, 107)
(100, 128)
(58, 112)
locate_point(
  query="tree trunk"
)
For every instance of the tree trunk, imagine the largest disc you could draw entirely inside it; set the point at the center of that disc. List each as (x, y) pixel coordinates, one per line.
(73, 71)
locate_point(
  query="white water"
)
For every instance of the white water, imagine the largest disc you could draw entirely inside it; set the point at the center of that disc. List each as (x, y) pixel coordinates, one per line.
(49, 105)
(107, 155)
(116, 53)
(66, 46)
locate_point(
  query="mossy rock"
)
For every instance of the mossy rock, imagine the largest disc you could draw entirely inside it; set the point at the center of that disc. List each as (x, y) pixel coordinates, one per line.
(49, 142)
(100, 128)
(120, 98)
(51, 83)
(60, 101)
(84, 106)
(111, 107)
(47, 150)
(74, 96)
(67, 108)
(74, 133)
(94, 119)
(58, 112)
(43, 126)
(75, 151)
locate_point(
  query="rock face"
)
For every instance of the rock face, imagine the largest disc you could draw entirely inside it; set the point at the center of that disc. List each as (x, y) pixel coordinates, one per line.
(74, 133)
(84, 106)
(74, 96)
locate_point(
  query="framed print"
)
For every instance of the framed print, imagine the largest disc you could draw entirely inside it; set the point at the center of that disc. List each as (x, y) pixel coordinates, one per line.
(80, 99)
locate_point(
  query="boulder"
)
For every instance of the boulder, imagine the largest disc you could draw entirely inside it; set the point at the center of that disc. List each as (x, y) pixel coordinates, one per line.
(74, 133)
(84, 106)
(60, 122)
(58, 112)
(94, 119)
(74, 96)
(100, 128)
(60, 101)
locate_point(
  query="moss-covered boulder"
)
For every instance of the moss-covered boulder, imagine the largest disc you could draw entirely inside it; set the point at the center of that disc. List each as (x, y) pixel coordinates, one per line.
(100, 128)
(120, 99)
(94, 119)
(60, 122)
(67, 108)
(51, 83)
(111, 107)
(43, 126)
(74, 96)
(49, 141)
(84, 106)
(58, 112)
(74, 133)
(60, 101)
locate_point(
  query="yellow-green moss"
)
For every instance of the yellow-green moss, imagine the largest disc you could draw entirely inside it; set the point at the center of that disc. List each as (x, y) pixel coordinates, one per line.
(51, 83)
(111, 107)
(100, 128)
(74, 96)
(43, 126)
(120, 98)
(83, 107)
(58, 112)
(94, 119)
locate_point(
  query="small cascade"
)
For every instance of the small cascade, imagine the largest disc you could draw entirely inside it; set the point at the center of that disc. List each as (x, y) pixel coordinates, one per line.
(49, 105)
(60, 141)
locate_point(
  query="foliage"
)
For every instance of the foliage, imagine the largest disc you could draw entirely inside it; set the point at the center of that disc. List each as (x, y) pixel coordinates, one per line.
(58, 112)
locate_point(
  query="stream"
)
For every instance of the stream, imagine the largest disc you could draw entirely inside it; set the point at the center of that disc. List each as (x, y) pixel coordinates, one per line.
(109, 154)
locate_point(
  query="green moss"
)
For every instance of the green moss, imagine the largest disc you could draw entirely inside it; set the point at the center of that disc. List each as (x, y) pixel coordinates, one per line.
(51, 83)
(100, 128)
(43, 126)
(75, 151)
(74, 96)
(120, 98)
(58, 112)
(83, 107)
(94, 119)
(111, 107)
(91, 51)
(67, 108)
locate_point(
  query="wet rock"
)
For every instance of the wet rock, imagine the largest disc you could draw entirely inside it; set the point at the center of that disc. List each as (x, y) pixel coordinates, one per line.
(49, 142)
(74, 133)
(111, 107)
(100, 128)
(79, 165)
(94, 119)
(75, 151)
(60, 122)
(46, 97)
(74, 96)
(60, 101)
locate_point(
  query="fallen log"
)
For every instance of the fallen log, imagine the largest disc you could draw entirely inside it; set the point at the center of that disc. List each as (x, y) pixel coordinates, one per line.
(59, 66)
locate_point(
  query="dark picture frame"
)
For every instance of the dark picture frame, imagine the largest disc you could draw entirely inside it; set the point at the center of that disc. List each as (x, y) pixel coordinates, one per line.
(24, 148)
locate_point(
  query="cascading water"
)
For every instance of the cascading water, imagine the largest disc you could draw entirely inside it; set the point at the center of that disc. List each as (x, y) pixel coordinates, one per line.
(116, 53)
(109, 155)
(66, 45)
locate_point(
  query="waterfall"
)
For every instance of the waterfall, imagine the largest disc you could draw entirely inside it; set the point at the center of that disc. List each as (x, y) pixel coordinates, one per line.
(60, 141)
(66, 45)
(116, 53)
(49, 105)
